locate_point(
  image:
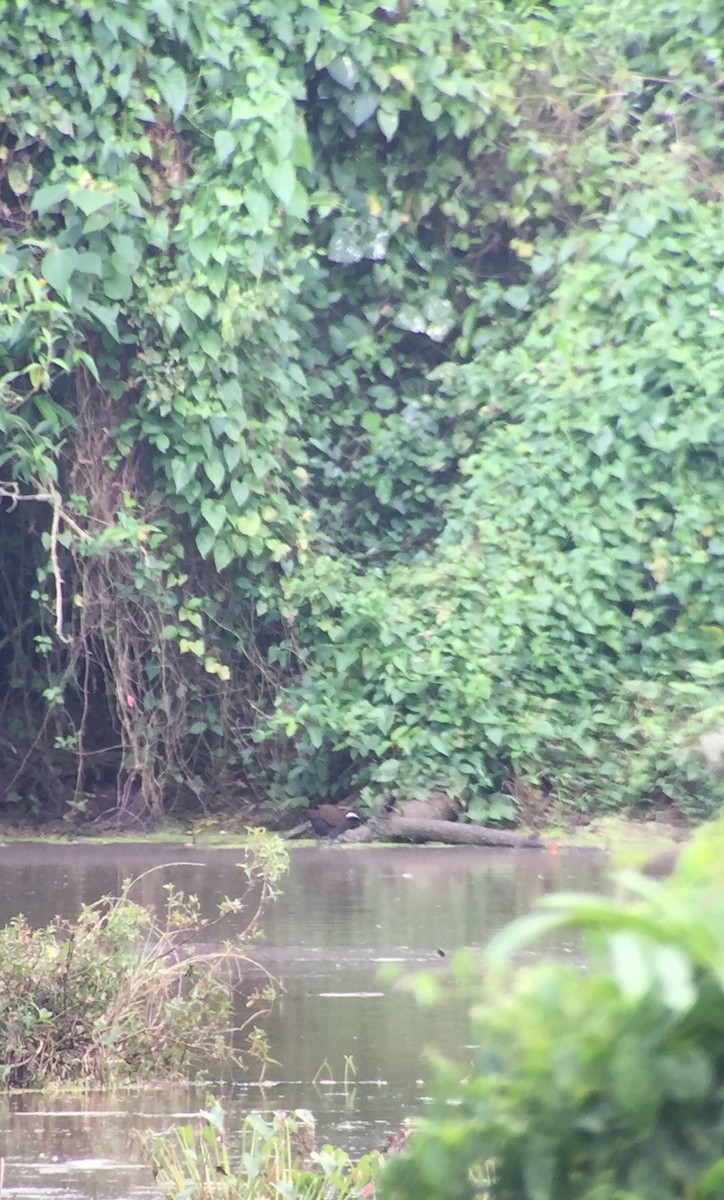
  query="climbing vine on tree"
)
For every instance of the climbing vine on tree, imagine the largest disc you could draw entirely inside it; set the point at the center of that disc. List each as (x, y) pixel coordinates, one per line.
(359, 401)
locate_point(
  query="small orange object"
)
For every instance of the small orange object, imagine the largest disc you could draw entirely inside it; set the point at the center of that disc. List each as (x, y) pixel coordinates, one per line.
(553, 848)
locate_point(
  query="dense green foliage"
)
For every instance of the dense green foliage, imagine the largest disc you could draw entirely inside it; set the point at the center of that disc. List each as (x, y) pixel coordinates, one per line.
(598, 1085)
(271, 1157)
(360, 399)
(123, 994)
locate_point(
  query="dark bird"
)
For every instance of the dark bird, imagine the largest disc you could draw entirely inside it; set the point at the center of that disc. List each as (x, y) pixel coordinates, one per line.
(328, 820)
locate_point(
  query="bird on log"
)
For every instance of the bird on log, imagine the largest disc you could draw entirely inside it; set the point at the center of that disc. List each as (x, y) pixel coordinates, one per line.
(329, 820)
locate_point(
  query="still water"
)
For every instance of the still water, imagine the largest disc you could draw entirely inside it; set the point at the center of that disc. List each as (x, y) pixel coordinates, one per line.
(348, 1043)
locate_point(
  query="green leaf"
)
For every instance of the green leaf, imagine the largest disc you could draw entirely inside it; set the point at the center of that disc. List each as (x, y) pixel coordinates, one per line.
(517, 297)
(99, 220)
(205, 540)
(710, 1184)
(229, 197)
(440, 318)
(281, 179)
(210, 342)
(383, 489)
(630, 963)
(117, 287)
(121, 264)
(182, 472)
(48, 197)
(83, 357)
(250, 525)
(214, 513)
(58, 266)
(346, 243)
(224, 144)
(371, 421)
(360, 107)
(640, 226)
(232, 456)
(19, 176)
(223, 555)
(239, 490)
(388, 122)
(410, 318)
(387, 771)
(127, 250)
(344, 71)
(199, 303)
(618, 251)
(404, 76)
(89, 263)
(215, 471)
(676, 980)
(243, 109)
(195, 646)
(438, 743)
(90, 200)
(230, 393)
(107, 317)
(258, 206)
(9, 264)
(687, 1074)
(171, 83)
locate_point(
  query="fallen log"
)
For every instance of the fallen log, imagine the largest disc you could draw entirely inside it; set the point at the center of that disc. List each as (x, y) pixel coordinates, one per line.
(453, 833)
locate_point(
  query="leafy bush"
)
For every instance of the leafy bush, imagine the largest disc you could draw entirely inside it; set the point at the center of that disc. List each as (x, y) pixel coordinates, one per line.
(592, 1084)
(121, 994)
(270, 1158)
(359, 393)
(522, 580)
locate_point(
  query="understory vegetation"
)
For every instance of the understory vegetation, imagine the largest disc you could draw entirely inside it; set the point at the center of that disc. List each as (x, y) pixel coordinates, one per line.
(360, 404)
(124, 994)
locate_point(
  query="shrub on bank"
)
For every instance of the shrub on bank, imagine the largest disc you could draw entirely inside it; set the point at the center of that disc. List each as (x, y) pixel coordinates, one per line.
(122, 993)
(599, 1085)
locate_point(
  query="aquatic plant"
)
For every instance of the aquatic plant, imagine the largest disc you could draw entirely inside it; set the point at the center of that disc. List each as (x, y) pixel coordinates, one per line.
(123, 993)
(268, 1158)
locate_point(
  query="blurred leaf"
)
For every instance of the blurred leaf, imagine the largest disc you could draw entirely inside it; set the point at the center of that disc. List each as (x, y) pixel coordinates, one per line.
(58, 266)
(171, 83)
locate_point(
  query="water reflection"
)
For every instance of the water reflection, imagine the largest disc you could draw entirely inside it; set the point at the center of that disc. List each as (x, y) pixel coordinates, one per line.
(346, 1044)
(79, 1147)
